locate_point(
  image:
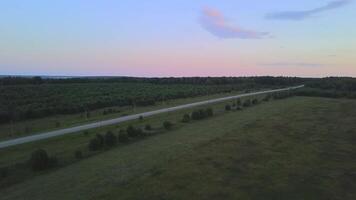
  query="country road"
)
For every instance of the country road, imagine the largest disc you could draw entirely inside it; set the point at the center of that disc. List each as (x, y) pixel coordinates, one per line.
(60, 132)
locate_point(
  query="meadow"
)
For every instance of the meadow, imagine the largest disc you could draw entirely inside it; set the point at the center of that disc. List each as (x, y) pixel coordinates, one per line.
(296, 148)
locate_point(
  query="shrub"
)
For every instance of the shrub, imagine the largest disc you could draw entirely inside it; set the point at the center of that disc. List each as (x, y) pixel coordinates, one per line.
(267, 97)
(140, 118)
(4, 172)
(196, 115)
(86, 133)
(40, 160)
(94, 144)
(167, 125)
(186, 118)
(227, 107)
(78, 154)
(247, 103)
(101, 139)
(238, 102)
(148, 127)
(238, 108)
(123, 137)
(255, 101)
(209, 112)
(131, 131)
(110, 139)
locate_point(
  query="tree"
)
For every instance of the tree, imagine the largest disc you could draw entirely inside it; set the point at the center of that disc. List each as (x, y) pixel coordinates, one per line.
(255, 101)
(40, 160)
(186, 118)
(247, 103)
(148, 127)
(167, 125)
(110, 139)
(122, 137)
(196, 115)
(131, 131)
(209, 112)
(238, 102)
(78, 154)
(227, 107)
(94, 144)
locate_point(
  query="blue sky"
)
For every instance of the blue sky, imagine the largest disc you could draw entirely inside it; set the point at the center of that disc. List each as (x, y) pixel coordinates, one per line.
(178, 38)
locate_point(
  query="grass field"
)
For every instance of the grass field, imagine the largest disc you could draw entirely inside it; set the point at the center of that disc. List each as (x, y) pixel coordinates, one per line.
(298, 148)
(28, 127)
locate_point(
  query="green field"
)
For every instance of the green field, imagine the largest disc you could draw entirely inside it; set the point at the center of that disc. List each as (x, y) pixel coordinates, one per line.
(297, 148)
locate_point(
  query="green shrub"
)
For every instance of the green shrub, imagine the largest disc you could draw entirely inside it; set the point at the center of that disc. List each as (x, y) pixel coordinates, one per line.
(94, 144)
(4, 172)
(255, 101)
(110, 139)
(227, 107)
(209, 112)
(167, 125)
(40, 160)
(186, 118)
(247, 103)
(131, 131)
(148, 127)
(101, 139)
(78, 154)
(140, 118)
(238, 102)
(123, 137)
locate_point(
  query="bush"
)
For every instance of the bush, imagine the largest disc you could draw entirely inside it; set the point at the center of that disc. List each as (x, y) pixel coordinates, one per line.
(148, 127)
(40, 160)
(196, 115)
(255, 101)
(167, 125)
(266, 98)
(94, 144)
(227, 107)
(78, 154)
(186, 118)
(4, 172)
(131, 131)
(140, 118)
(238, 108)
(209, 112)
(110, 139)
(101, 139)
(123, 137)
(247, 103)
(238, 102)
(86, 133)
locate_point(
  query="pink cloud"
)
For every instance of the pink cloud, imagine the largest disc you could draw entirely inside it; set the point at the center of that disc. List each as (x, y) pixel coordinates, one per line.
(214, 22)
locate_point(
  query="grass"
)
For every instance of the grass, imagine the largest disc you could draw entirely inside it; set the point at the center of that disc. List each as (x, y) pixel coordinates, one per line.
(298, 148)
(28, 127)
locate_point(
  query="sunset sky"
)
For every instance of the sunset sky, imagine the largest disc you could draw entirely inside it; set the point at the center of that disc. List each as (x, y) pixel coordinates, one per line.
(178, 37)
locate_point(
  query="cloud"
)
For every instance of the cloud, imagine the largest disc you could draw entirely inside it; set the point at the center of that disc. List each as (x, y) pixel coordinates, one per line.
(214, 22)
(292, 64)
(302, 15)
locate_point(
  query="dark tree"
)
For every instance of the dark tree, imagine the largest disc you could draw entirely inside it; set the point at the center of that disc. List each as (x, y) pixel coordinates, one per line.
(78, 154)
(110, 139)
(186, 118)
(123, 137)
(227, 107)
(148, 127)
(247, 103)
(209, 112)
(40, 160)
(167, 125)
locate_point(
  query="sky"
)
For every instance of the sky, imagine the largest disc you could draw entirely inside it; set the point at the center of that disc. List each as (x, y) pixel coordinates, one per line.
(160, 38)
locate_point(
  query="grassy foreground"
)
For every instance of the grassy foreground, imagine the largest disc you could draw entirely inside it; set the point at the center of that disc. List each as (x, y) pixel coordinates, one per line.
(298, 148)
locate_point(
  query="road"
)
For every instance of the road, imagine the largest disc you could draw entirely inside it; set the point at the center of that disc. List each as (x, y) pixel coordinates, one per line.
(65, 131)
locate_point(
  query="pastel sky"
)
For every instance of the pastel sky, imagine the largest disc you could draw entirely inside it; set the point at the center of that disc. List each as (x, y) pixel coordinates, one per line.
(178, 37)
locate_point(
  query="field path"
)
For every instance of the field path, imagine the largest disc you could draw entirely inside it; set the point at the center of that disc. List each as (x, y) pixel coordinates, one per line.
(98, 124)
